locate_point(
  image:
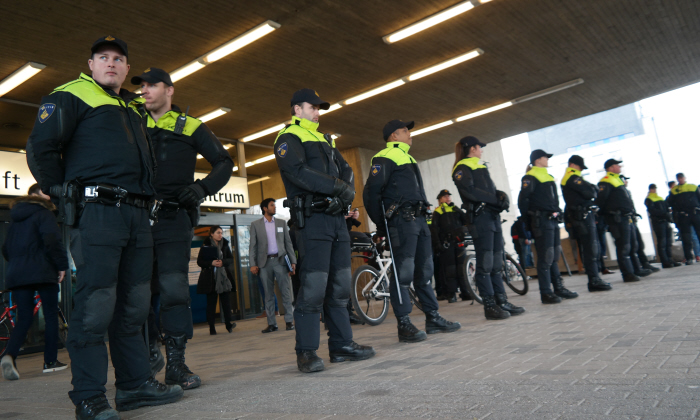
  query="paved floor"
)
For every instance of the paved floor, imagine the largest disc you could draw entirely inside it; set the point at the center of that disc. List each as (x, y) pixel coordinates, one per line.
(626, 354)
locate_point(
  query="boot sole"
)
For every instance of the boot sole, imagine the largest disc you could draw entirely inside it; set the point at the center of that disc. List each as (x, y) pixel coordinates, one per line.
(442, 330)
(348, 358)
(55, 369)
(133, 403)
(598, 290)
(550, 303)
(312, 369)
(416, 339)
(516, 313)
(184, 385)
(492, 318)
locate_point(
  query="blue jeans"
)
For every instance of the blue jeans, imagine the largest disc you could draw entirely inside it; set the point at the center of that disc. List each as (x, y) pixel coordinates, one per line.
(23, 297)
(696, 243)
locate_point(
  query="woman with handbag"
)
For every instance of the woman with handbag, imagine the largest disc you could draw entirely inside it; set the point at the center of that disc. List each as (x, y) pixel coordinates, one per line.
(215, 258)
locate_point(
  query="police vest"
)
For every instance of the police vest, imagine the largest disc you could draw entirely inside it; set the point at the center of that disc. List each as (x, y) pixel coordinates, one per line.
(306, 131)
(568, 174)
(613, 179)
(88, 91)
(169, 120)
(472, 163)
(540, 174)
(654, 197)
(685, 197)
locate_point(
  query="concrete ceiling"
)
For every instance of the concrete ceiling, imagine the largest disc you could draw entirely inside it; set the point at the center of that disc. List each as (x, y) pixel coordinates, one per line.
(625, 50)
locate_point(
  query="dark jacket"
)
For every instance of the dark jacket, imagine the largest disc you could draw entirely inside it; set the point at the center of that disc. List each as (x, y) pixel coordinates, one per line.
(88, 132)
(33, 246)
(176, 155)
(658, 209)
(685, 198)
(447, 224)
(578, 193)
(538, 193)
(613, 196)
(206, 284)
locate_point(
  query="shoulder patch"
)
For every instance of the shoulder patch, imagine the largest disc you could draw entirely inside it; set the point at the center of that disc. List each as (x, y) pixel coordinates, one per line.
(45, 112)
(526, 182)
(282, 149)
(376, 168)
(458, 175)
(601, 188)
(578, 181)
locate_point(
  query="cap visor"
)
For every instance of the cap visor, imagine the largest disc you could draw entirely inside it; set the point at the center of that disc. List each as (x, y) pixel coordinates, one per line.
(321, 104)
(549, 155)
(410, 125)
(584, 167)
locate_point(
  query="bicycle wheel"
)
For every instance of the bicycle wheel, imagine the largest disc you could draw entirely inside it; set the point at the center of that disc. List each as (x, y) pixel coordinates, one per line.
(5, 330)
(514, 276)
(371, 308)
(414, 298)
(470, 272)
(62, 328)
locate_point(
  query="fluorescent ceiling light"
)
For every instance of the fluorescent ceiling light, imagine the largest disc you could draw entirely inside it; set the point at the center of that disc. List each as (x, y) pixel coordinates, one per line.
(186, 70)
(426, 23)
(199, 156)
(331, 109)
(262, 159)
(431, 128)
(335, 136)
(263, 133)
(235, 168)
(446, 64)
(227, 146)
(20, 76)
(241, 41)
(215, 113)
(265, 178)
(376, 91)
(483, 111)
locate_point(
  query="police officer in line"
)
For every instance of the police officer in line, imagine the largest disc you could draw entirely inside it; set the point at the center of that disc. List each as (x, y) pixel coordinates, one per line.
(438, 273)
(616, 205)
(685, 201)
(483, 204)
(638, 252)
(448, 224)
(320, 189)
(395, 181)
(579, 196)
(177, 139)
(539, 203)
(661, 217)
(90, 134)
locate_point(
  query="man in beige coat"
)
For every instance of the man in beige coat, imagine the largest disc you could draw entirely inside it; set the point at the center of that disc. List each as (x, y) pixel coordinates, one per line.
(271, 255)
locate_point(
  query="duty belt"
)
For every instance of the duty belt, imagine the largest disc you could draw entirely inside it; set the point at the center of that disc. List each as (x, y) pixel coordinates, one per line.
(170, 206)
(113, 195)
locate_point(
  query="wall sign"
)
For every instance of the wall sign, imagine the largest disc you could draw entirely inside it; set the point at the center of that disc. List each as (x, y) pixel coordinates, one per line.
(234, 194)
(15, 177)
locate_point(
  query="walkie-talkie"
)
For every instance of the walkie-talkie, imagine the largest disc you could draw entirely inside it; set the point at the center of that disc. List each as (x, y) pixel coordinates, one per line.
(181, 121)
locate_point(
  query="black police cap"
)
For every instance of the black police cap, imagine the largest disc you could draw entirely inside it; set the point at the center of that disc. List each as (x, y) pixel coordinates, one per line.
(611, 162)
(310, 96)
(152, 75)
(110, 40)
(394, 125)
(652, 186)
(538, 153)
(470, 141)
(577, 160)
(443, 193)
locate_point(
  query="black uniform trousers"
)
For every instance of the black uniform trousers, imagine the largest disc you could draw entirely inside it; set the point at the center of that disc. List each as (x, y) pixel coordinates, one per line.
(664, 240)
(439, 273)
(451, 265)
(325, 277)
(601, 227)
(587, 235)
(413, 256)
(548, 246)
(112, 248)
(687, 222)
(172, 238)
(639, 250)
(488, 244)
(622, 233)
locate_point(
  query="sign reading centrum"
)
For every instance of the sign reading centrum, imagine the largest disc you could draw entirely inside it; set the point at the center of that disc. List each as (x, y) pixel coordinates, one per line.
(234, 195)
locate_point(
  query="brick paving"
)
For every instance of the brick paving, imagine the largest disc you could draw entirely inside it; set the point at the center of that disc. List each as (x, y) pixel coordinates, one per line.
(631, 353)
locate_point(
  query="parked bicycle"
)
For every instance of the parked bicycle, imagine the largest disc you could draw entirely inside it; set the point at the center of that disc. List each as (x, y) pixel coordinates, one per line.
(7, 322)
(370, 283)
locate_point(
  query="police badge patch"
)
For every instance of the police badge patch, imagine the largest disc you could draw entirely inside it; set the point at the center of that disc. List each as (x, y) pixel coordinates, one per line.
(45, 111)
(458, 175)
(282, 150)
(375, 169)
(526, 183)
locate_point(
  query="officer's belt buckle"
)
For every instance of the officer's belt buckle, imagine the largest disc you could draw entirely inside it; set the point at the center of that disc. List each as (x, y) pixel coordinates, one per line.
(91, 192)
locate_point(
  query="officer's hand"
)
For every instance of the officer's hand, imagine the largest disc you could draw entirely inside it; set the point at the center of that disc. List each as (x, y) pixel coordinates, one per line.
(336, 206)
(191, 195)
(503, 200)
(61, 275)
(344, 191)
(255, 269)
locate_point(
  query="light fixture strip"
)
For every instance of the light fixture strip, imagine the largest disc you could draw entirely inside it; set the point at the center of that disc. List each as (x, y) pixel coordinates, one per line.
(431, 128)
(376, 91)
(20, 76)
(263, 133)
(331, 109)
(428, 22)
(483, 111)
(213, 114)
(241, 41)
(446, 64)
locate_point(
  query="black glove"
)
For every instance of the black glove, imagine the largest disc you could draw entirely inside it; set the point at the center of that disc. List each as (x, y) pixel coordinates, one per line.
(335, 206)
(191, 196)
(503, 200)
(344, 191)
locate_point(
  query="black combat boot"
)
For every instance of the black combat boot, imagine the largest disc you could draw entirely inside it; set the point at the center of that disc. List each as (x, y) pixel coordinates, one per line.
(502, 301)
(643, 272)
(561, 291)
(149, 393)
(493, 311)
(408, 333)
(434, 323)
(352, 351)
(653, 269)
(177, 372)
(452, 298)
(629, 278)
(155, 358)
(550, 298)
(598, 285)
(96, 408)
(308, 361)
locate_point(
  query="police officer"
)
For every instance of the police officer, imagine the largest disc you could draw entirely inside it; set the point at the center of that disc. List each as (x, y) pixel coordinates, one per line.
(579, 196)
(685, 201)
(539, 203)
(638, 252)
(177, 139)
(320, 186)
(616, 205)
(90, 134)
(447, 224)
(483, 204)
(661, 218)
(395, 181)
